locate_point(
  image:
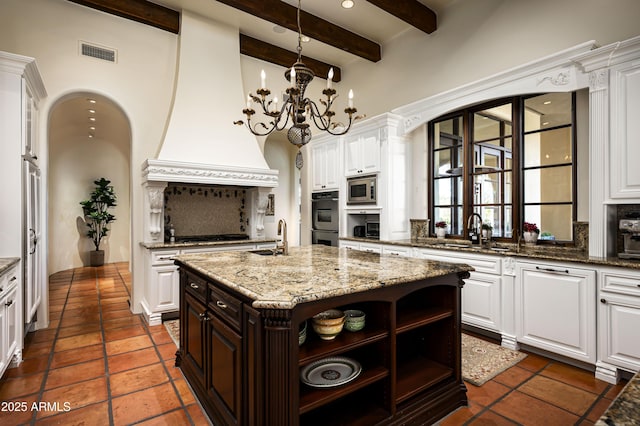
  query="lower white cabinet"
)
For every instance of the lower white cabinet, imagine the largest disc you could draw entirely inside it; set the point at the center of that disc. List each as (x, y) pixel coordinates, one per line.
(618, 323)
(162, 284)
(555, 309)
(482, 293)
(9, 318)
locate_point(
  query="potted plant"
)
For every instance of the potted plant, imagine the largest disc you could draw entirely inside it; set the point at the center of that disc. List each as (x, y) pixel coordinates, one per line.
(530, 233)
(487, 231)
(441, 229)
(97, 216)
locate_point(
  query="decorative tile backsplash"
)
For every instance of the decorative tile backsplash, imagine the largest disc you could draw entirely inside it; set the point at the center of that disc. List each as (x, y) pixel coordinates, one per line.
(205, 209)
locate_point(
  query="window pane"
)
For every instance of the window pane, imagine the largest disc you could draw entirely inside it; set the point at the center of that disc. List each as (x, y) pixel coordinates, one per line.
(553, 184)
(549, 147)
(546, 111)
(554, 221)
(447, 133)
(492, 123)
(487, 188)
(507, 187)
(442, 162)
(442, 192)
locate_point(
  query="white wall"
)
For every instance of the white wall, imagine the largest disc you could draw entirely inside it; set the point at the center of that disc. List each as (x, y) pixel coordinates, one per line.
(280, 155)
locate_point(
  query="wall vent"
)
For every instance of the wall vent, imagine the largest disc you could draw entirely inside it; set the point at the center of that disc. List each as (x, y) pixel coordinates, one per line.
(98, 52)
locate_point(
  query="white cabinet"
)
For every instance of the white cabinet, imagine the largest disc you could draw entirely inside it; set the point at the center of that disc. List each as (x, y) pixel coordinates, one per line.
(618, 323)
(325, 163)
(162, 283)
(397, 250)
(362, 152)
(555, 309)
(481, 296)
(624, 81)
(9, 317)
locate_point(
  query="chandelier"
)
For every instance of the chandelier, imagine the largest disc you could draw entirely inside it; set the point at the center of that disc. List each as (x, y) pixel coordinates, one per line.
(296, 107)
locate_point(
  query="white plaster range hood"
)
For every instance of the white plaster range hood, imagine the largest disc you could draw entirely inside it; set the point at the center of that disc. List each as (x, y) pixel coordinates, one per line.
(201, 143)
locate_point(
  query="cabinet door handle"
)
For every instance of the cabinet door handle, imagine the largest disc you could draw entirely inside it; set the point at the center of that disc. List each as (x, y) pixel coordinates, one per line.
(9, 303)
(221, 304)
(165, 257)
(203, 317)
(603, 300)
(562, 271)
(12, 279)
(194, 286)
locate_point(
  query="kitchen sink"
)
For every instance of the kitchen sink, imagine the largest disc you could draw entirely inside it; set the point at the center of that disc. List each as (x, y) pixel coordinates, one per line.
(457, 245)
(266, 252)
(500, 249)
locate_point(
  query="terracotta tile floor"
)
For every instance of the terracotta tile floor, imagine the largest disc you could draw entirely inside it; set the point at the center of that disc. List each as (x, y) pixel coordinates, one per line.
(98, 364)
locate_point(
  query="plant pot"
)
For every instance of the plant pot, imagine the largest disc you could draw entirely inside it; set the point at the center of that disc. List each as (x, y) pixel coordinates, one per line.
(441, 232)
(530, 238)
(96, 258)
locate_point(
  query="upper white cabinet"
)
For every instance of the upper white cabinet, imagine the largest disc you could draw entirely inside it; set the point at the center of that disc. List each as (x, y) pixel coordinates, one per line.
(362, 152)
(325, 165)
(625, 130)
(555, 308)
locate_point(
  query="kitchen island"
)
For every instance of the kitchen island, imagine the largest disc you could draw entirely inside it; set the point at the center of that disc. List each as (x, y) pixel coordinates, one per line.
(241, 313)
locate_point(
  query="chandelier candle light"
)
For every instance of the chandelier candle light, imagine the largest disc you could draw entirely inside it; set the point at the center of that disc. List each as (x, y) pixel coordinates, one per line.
(296, 107)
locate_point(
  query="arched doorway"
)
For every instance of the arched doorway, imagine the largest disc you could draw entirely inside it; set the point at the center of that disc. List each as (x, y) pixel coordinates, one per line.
(89, 138)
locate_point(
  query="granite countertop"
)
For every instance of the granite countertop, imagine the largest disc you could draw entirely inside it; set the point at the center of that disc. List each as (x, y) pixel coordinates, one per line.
(163, 245)
(310, 273)
(7, 262)
(625, 409)
(560, 254)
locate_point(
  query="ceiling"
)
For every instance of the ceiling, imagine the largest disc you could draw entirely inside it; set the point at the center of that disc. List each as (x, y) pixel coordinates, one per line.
(364, 19)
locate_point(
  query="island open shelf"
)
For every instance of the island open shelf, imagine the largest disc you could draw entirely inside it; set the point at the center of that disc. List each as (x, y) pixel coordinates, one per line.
(244, 363)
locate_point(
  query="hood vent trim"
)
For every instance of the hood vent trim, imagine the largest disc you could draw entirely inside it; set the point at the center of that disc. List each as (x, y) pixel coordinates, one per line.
(182, 172)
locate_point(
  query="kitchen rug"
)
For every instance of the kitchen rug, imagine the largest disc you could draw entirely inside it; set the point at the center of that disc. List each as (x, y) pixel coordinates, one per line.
(482, 360)
(173, 327)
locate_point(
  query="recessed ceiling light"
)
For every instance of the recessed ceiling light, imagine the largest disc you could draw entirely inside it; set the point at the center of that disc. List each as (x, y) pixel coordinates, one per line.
(91, 101)
(92, 119)
(546, 123)
(547, 102)
(278, 29)
(305, 39)
(347, 4)
(90, 136)
(91, 111)
(92, 128)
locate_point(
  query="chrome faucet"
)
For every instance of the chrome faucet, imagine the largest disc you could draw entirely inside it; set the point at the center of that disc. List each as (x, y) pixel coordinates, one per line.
(282, 232)
(477, 232)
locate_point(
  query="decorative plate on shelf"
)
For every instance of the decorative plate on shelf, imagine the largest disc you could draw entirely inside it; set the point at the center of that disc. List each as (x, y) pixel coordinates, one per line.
(330, 372)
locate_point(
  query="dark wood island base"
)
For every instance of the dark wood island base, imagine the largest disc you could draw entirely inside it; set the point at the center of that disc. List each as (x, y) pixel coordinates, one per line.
(239, 346)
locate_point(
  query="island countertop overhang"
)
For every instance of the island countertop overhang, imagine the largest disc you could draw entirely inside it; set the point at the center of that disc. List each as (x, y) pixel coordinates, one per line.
(311, 273)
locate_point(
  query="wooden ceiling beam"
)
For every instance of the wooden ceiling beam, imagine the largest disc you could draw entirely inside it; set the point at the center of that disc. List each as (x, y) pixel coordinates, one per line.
(285, 15)
(138, 10)
(410, 11)
(276, 55)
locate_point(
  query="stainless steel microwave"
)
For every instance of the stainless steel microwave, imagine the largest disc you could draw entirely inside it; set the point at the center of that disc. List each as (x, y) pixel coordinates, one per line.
(362, 190)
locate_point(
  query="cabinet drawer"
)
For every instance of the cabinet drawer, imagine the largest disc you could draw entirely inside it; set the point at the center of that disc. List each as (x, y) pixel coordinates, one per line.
(616, 282)
(197, 287)
(226, 306)
(487, 264)
(8, 280)
(163, 257)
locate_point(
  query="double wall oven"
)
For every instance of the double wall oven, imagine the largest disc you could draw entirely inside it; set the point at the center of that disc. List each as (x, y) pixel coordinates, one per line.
(324, 211)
